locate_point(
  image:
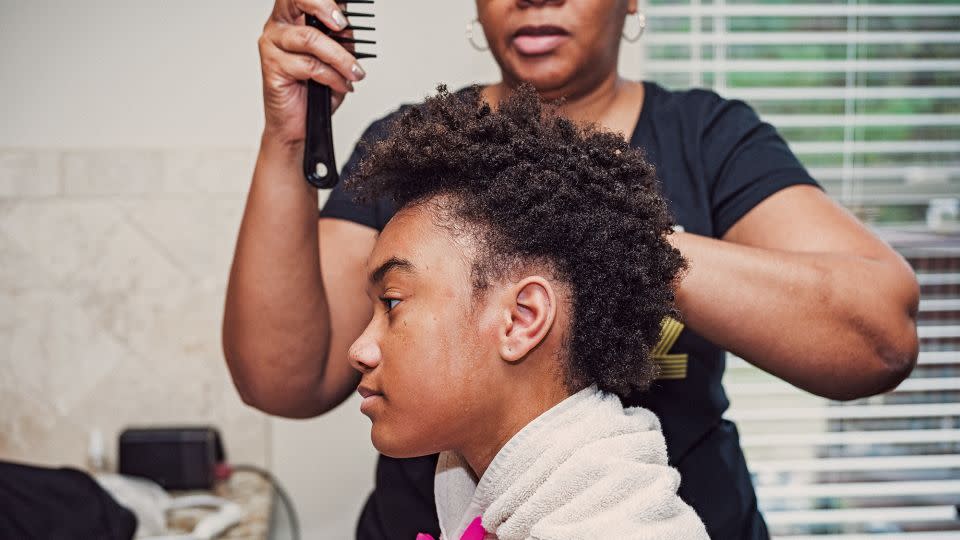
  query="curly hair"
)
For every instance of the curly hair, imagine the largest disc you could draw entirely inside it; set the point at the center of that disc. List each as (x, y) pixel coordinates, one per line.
(534, 187)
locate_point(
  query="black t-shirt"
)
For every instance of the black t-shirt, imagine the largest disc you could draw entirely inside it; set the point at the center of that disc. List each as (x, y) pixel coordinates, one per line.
(716, 160)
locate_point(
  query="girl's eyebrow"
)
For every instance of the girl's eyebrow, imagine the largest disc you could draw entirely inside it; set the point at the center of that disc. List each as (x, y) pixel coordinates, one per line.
(393, 263)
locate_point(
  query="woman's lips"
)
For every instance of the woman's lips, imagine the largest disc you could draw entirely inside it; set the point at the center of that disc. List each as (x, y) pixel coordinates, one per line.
(537, 40)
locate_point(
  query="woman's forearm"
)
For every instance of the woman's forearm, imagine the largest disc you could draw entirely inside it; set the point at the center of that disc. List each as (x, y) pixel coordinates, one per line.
(276, 322)
(838, 325)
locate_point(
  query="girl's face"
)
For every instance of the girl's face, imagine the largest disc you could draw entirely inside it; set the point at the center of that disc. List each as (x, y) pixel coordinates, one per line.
(562, 47)
(428, 351)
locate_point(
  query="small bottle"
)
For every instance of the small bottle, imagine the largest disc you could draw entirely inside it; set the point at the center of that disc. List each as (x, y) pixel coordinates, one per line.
(96, 459)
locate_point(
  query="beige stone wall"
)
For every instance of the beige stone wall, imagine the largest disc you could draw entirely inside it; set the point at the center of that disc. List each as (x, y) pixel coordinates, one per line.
(127, 139)
(112, 280)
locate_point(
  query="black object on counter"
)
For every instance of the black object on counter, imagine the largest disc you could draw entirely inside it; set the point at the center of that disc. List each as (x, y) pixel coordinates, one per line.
(174, 457)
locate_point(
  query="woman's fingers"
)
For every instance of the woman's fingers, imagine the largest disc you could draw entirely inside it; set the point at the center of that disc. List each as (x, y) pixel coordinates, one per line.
(288, 11)
(292, 52)
(302, 67)
(306, 40)
(336, 98)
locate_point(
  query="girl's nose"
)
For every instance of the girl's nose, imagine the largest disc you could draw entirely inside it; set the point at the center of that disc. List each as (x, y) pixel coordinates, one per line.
(364, 354)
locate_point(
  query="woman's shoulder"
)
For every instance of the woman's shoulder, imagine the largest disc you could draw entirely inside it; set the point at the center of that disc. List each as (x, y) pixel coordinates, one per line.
(680, 98)
(700, 108)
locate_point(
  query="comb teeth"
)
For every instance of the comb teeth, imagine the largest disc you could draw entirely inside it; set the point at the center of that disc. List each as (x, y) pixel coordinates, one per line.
(354, 40)
(352, 27)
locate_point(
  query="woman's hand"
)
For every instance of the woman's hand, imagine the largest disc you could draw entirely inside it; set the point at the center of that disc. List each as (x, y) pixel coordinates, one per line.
(291, 52)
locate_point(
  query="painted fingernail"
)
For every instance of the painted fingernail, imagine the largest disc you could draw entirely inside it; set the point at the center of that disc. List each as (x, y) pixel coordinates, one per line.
(338, 19)
(358, 72)
(350, 85)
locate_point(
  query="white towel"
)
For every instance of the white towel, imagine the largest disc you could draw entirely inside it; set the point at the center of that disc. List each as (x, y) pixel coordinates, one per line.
(586, 468)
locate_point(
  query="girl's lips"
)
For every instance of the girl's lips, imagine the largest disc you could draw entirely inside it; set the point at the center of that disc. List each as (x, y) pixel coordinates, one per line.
(369, 401)
(370, 397)
(364, 391)
(532, 45)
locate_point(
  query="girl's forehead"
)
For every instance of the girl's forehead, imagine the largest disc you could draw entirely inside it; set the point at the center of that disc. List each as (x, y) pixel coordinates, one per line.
(413, 235)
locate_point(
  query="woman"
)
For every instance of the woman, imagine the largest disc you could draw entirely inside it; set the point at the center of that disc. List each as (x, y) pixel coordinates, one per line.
(775, 266)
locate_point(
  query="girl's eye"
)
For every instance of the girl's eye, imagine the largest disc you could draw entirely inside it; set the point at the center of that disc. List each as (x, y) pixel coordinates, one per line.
(390, 302)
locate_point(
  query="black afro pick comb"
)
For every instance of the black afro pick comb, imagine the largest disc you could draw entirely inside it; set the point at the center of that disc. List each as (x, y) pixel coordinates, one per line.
(319, 165)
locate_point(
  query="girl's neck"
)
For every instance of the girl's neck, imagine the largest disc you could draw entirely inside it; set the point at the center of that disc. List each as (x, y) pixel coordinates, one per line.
(518, 408)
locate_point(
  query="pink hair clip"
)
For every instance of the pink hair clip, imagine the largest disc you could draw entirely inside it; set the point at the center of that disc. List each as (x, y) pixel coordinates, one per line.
(475, 531)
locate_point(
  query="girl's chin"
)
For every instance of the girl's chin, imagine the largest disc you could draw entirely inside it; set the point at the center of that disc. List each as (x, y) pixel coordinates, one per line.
(393, 446)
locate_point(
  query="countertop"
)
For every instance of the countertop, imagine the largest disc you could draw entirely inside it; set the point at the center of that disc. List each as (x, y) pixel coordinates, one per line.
(251, 491)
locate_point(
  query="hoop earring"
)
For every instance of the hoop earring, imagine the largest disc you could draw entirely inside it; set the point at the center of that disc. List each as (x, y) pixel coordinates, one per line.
(642, 22)
(470, 27)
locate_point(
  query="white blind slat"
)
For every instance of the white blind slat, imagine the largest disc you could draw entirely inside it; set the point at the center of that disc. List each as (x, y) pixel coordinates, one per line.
(940, 304)
(919, 410)
(916, 147)
(801, 9)
(802, 66)
(807, 93)
(881, 463)
(824, 438)
(831, 120)
(862, 489)
(867, 95)
(779, 387)
(926, 358)
(938, 331)
(935, 278)
(918, 535)
(862, 515)
(800, 38)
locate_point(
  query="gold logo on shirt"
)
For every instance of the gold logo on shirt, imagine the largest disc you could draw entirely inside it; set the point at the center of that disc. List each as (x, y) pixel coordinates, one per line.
(671, 366)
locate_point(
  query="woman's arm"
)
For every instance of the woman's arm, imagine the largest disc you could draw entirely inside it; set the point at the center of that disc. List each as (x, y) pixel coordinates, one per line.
(283, 323)
(289, 317)
(801, 289)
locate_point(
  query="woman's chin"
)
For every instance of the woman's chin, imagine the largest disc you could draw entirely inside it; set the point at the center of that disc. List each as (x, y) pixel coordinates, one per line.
(548, 76)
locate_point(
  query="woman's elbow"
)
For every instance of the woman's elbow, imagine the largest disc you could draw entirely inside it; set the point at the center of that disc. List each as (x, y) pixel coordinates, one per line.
(266, 387)
(901, 354)
(896, 348)
(877, 372)
(899, 360)
(283, 399)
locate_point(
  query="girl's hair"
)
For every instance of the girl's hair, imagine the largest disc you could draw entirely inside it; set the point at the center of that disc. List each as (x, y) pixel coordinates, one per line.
(532, 187)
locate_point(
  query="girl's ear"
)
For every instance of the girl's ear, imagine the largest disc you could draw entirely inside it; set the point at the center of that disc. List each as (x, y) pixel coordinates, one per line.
(530, 311)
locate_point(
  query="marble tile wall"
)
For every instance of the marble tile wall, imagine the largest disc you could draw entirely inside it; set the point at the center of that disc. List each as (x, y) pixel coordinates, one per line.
(113, 265)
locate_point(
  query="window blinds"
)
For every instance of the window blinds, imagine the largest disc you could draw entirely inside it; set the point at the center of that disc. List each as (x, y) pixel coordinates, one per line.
(868, 96)
(866, 93)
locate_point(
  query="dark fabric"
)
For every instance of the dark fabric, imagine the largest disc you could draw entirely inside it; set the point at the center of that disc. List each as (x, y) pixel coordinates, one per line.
(402, 504)
(59, 504)
(716, 160)
(340, 204)
(730, 508)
